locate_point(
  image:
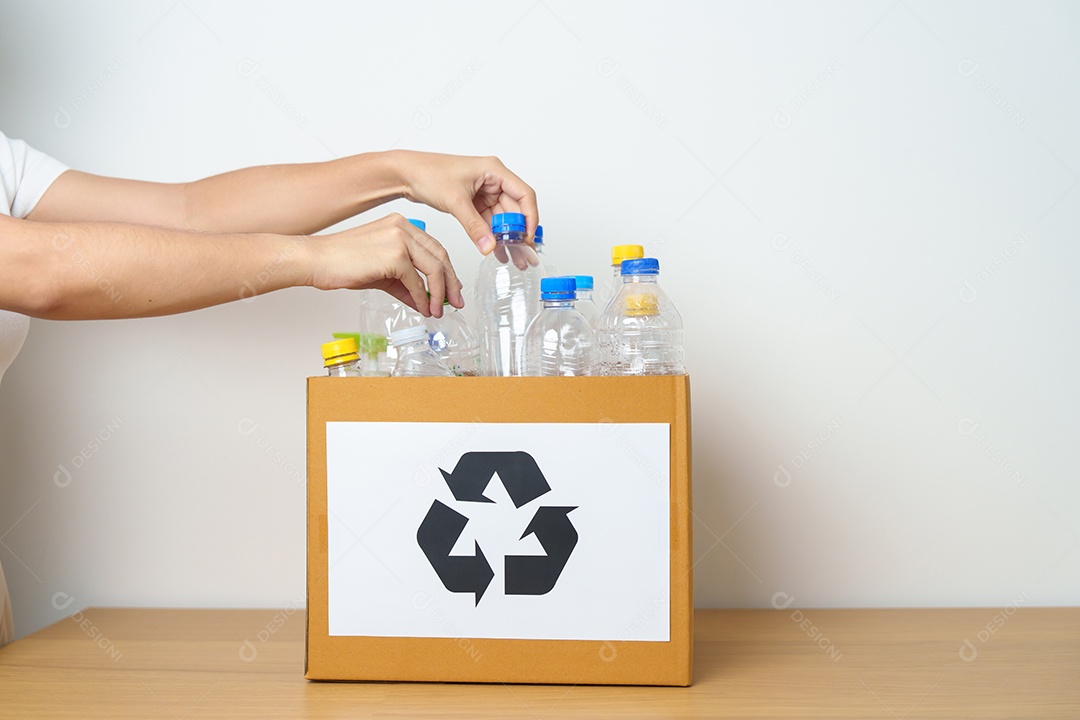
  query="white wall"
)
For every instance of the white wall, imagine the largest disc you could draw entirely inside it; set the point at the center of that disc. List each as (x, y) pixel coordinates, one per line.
(867, 213)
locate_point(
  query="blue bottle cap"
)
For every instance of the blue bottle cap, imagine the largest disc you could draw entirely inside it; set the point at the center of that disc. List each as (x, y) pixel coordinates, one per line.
(584, 282)
(538, 238)
(558, 288)
(507, 222)
(419, 223)
(640, 266)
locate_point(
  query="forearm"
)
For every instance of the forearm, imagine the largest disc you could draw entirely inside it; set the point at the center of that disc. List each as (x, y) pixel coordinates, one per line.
(292, 199)
(71, 271)
(300, 199)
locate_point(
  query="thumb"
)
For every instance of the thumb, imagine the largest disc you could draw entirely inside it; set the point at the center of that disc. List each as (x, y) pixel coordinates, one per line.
(478, 230)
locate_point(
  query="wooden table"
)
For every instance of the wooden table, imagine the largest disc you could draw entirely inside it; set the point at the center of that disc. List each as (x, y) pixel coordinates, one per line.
(191, 664)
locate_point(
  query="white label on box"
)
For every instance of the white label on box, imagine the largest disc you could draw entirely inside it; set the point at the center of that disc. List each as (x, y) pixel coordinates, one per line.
(546, 531)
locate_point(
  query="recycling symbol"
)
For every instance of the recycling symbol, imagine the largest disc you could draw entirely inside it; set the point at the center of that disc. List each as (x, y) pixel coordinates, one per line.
(524, 482)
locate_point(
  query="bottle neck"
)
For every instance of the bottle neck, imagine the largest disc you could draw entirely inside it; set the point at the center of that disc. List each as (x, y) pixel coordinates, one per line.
(339, 361)
(557, 304)
(343, 369)
(640, 278)
(511, 238)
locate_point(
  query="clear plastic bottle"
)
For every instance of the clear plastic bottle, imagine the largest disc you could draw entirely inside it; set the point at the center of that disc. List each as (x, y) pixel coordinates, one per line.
(640, 331)
(455, 342)
(380, 315)
(374, 309)
(614, 281)
(585, 303)
(542, 251)
(415, 356)
(507, 295)
(560, 341)
(340, 358)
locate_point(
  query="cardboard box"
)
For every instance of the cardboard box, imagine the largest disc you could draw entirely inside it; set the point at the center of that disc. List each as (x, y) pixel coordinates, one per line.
(509, 530)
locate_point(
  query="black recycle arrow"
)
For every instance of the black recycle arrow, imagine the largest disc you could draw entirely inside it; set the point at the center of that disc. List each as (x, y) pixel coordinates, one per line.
(519, 472)
(441, 528)
(537, 574)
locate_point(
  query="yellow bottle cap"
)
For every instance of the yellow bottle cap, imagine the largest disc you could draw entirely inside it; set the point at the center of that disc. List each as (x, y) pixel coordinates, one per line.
(642, 305)
(339, 351)
(626, 252)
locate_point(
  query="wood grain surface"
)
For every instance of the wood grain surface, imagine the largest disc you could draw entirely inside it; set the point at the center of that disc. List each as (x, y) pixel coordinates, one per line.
(191, 664)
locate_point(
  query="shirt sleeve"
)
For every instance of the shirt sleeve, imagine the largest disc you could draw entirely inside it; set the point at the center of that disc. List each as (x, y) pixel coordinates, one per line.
(27, 174)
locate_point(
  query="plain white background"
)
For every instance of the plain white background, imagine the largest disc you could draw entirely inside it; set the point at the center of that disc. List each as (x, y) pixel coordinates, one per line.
(867, 213)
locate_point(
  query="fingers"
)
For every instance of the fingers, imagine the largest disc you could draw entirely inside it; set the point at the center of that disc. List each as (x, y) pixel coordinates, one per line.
(525, 197)
(524, 256)
(475, 226)
(430, 257)
(398, 290)
(424, 260)
(390, 254)
(495, 190)
(531, 257)
(414, 286)
(519, 254)
(471, 189)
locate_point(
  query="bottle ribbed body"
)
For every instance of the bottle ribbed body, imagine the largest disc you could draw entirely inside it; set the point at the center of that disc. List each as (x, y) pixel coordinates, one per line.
(455, 342)
(559, 342)
(417, 359)
(640, 331)
(587, 307)
(508, 298)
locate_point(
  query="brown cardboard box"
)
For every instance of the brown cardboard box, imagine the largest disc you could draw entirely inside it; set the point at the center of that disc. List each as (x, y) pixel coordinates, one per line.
(605, 402)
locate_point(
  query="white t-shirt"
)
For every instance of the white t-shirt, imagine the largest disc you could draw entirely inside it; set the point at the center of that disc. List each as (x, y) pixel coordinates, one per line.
(25, 175)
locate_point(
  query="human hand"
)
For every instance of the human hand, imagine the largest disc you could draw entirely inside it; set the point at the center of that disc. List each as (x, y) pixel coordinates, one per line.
(472, 189)
(388, 254)
(522, 255)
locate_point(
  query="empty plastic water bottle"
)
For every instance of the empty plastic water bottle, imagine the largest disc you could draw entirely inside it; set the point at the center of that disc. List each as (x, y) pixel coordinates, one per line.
(613, 282)
(374, 307)
(542, 251)
(454, 341)
(585, 303)
(340, 358)
(415, 356)
(560, 341)
(507, 295)
(380, 315)
(640, 331)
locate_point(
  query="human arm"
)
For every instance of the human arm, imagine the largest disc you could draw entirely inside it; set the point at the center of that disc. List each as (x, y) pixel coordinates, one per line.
(300, 199)
(95, 270)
